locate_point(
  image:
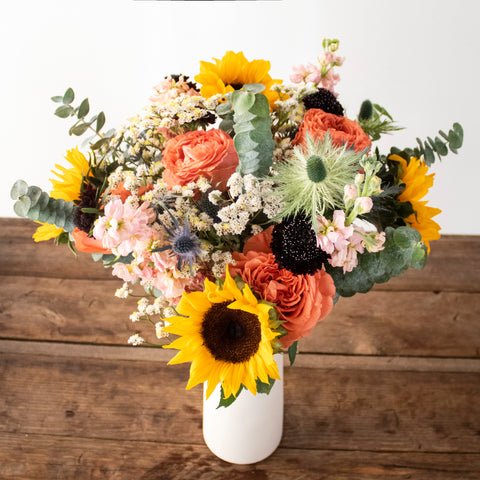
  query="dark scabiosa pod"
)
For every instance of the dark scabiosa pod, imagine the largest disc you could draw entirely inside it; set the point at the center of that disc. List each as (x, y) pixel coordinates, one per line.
(294, 245)
(324, 100)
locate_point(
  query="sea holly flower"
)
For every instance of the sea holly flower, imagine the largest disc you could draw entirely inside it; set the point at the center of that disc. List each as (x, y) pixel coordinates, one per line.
(313, 181)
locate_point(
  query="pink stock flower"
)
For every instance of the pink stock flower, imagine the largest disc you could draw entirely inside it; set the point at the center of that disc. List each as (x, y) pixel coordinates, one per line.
(363, 204)
(171, 88)
(347, 256)
(123, 226)
(333, 234)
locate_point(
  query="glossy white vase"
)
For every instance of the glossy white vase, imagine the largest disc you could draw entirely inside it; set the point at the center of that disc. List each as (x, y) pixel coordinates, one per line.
(250, 429)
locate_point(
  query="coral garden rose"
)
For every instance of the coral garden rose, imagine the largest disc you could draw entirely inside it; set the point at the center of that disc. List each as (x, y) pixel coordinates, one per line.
(302, 300)
(209, 153)
(341, 129)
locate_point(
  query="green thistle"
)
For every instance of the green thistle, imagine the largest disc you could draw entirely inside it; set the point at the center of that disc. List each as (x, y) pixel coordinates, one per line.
(313, 180)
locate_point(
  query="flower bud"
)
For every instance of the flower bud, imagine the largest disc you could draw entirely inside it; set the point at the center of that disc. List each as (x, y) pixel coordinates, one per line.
(363, 204)
(350, 193)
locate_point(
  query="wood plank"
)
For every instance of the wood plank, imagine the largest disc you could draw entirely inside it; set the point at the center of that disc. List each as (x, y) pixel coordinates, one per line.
(20, 255)
(445, 324)
(70, 310)
(453, 265)
(40, 457)
(306, 360)
(325, 408)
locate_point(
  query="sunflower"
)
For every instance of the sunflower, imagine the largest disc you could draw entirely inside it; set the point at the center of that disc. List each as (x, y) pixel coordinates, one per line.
(225, 333)
(417, 183)
(67, 186)
(232, 72)
(313, 180)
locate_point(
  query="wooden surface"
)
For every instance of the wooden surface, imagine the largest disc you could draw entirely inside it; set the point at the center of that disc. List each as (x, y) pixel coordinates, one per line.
(387, 387)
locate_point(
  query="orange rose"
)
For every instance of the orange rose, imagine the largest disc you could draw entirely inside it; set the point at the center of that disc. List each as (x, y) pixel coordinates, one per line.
(209, 153)
(341, 129)
(302, 300)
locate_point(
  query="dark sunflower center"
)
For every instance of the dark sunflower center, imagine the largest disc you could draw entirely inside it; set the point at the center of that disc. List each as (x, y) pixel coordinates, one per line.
(231, 335)
(236, 86)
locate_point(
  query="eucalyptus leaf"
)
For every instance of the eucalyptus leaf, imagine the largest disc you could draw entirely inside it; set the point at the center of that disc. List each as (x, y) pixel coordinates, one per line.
(68, 96)
(254, 87)
(34, 193)
(64, 111)
(21, 206)
(19, 188)
(242, 101)
(100, 122)
(79, 129)
(83, 109)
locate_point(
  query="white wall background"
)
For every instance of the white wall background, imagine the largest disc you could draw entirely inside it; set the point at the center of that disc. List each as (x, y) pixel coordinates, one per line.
(417, 58)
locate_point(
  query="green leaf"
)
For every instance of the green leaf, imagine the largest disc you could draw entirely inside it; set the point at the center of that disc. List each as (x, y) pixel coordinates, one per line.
(226, 402)
(100, 122)
(292, 352)
(261, 107)
(22, 206)
(79, 129)
(90, 210)
(19, 188)
(265, 387)
(68, 96)
(242, 101)
(419, 256)
(64, 111)
(100, 143)
(440, 147)
(405, 236)
(34, 194)
(57, 98)
(83, 109)
(224, 109)
(254, 87)
(429, 156)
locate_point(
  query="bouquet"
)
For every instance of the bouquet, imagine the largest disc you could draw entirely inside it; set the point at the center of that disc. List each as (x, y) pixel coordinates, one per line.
(244, 207)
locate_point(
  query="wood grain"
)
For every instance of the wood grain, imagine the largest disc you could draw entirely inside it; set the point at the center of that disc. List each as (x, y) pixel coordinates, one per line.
(453, 265)
(386, 387)
(324, 408)
(380, 323)
(40, 457)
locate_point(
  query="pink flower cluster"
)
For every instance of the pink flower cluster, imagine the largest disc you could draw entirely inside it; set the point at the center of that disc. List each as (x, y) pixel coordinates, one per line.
(344, 243)
(322, 74)
(123, 226)
(126, 230)
(169, 88)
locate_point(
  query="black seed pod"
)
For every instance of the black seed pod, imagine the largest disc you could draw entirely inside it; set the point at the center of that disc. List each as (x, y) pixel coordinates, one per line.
(325, 100)
(294, 245)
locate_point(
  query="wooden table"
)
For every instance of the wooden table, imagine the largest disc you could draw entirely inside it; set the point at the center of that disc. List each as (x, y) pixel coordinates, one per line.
(387, 387)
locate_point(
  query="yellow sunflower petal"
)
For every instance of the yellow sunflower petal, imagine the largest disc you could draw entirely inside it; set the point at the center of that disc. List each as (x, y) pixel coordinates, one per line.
(68, 184)
(45, 232)
(231, 72)
(217, 367)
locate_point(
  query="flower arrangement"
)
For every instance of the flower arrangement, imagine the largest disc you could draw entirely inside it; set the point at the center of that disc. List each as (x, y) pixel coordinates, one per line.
(244, 207)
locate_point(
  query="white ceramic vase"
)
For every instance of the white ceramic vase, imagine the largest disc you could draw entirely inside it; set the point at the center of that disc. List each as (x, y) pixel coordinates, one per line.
(250, 429)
